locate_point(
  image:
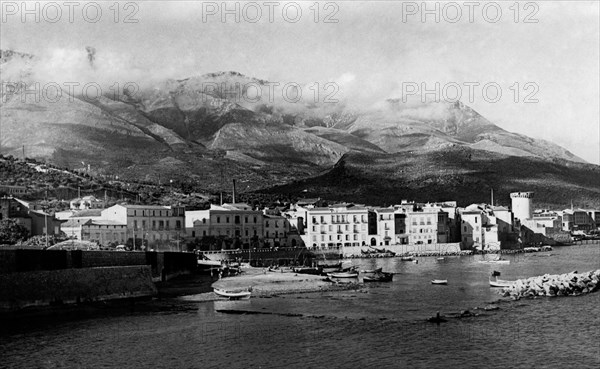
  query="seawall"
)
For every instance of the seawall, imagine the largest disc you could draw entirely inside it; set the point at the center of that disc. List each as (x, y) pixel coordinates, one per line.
(19, 290)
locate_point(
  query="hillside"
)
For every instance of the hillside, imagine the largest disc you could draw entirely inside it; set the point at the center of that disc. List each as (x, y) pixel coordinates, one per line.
(454, 173)
(206, 129)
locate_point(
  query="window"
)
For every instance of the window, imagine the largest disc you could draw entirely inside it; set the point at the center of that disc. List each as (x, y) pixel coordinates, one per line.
(204, 233)
(193, 233)
(226, 219)
(475, 220)
(254, 219)
(203, 220)
(236, 219)
(245, 219)
(178, 224)
(218, 219)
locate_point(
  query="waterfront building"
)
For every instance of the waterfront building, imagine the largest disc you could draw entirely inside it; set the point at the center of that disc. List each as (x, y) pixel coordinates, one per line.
(577, 220)
(161, 226)
(276, 230)
(236, 222)
(487, 227)
(428, 225)
(336, 226)
(382, 226)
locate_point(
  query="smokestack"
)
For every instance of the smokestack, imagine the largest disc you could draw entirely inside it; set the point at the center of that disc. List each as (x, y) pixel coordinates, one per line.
(233, 199)
(492, 197)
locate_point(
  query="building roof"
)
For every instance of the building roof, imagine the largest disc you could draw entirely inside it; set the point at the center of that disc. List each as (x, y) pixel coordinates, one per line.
(104, 222)
(87, 213)
(145, 207)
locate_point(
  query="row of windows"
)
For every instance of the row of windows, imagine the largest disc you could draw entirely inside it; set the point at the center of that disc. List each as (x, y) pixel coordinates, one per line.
(236, 220)
(339, 218)
(339, 237)
(152, 213)
(162, 224)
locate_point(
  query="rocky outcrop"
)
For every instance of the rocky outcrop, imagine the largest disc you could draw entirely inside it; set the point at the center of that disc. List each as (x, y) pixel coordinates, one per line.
(569, 284)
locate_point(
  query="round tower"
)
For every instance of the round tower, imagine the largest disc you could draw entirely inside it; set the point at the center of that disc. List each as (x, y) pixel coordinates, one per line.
(522, 205)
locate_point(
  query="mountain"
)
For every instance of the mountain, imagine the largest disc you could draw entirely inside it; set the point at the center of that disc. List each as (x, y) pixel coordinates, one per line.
(207, 129)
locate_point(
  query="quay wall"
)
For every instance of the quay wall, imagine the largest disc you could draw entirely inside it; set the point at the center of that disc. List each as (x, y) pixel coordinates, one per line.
(421, 249)
(163, 265)
(19, 290)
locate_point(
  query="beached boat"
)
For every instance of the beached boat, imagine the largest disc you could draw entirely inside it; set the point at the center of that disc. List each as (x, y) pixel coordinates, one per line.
(348, 274)
(439, 281)
(307, 270)
(379, 277)
(234, 295)
(546, 248)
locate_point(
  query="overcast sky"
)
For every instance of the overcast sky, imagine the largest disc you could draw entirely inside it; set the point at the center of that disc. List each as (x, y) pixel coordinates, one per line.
(371, 52)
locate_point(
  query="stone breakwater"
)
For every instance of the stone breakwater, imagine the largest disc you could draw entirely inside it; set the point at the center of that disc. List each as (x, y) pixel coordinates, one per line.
(569, 284)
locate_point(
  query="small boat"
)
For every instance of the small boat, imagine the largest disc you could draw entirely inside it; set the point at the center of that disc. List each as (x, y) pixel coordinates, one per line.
(440, 258)
(378, 270)
(234, 295)
(547, 248)
(439, 281)
(348, 274)
(416, 261)
(495, 261)
(307, 270)
(495, 282)
(500, 283)
(379, 277)
(406, 258)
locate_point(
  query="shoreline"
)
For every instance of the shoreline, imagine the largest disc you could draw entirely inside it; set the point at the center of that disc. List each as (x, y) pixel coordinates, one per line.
(268, 284)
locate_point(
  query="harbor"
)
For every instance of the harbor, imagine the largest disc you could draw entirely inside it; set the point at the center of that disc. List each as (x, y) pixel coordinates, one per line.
(329, 327)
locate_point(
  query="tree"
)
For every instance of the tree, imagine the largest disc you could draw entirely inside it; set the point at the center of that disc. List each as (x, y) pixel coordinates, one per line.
(12, 232)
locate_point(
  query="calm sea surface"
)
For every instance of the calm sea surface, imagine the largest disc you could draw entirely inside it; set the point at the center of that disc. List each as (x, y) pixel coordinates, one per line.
(380, 325)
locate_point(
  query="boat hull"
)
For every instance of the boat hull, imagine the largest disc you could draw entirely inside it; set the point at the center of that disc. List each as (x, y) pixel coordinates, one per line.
(233, 295)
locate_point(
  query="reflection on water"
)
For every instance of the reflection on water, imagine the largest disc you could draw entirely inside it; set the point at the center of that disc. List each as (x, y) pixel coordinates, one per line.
(381, 324)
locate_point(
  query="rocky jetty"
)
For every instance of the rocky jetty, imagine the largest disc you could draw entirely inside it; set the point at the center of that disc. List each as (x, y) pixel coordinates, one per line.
(569, 284)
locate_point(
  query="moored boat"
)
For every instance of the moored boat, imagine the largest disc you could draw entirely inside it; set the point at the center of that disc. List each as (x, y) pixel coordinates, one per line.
(379, 277)
(378, 270)
(439, 281)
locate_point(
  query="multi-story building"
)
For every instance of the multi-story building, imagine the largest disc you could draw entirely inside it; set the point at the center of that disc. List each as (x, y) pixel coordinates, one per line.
(161, 226)
(72, 225)
(486, 227)
(276, 230)
(382, 227)
(236, 222)
(336, 226)
(103, 232)
(577, 220)
(428, 225)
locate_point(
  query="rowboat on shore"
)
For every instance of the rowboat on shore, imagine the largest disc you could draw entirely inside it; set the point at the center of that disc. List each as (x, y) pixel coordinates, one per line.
(379, 277)
(439, 281)
(234, 295)
(348, 274)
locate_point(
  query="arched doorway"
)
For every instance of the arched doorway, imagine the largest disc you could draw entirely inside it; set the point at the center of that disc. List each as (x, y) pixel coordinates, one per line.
(293, 242)
(373, 241)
